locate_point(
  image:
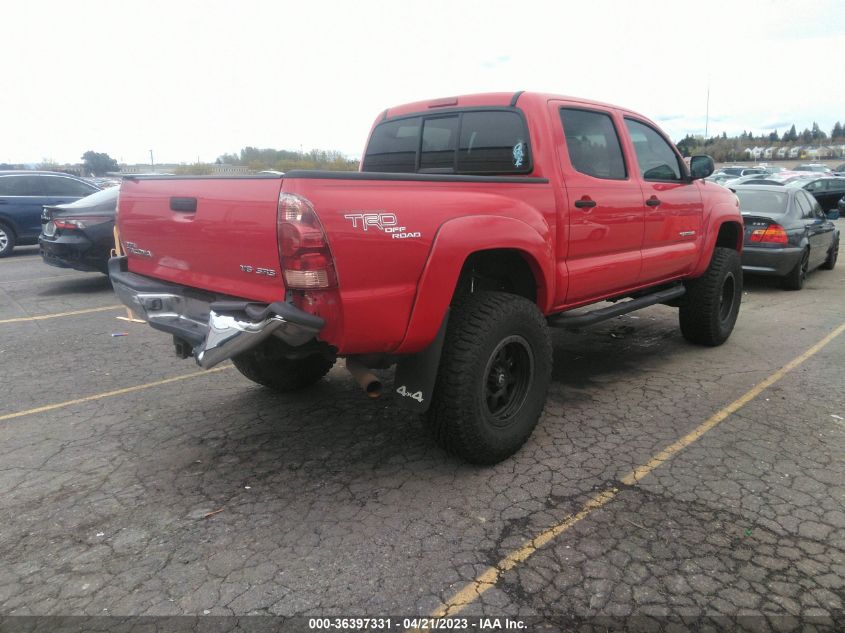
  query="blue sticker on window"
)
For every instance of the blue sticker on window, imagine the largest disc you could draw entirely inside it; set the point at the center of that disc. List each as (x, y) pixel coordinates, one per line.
(518, 154)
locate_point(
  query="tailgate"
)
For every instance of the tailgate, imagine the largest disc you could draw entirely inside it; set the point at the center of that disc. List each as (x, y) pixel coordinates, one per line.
(217, 234)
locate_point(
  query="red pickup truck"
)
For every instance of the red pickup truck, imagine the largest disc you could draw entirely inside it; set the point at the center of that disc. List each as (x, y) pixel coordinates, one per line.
(473, 225)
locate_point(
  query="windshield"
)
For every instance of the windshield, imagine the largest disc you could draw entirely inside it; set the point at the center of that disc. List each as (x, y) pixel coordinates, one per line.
(756, 201)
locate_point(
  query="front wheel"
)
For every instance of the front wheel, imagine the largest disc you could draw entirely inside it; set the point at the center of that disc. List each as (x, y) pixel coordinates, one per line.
(267, 365)
(709, 310)
(493, 378)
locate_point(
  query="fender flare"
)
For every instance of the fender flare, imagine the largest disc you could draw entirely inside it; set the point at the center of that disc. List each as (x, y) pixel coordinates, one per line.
(721, 214)
(455, 241)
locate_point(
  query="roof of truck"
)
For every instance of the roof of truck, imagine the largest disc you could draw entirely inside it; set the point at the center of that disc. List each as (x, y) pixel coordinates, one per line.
(495, 99)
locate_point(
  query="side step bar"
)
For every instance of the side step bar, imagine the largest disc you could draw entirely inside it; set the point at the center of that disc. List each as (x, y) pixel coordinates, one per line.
(576, 321)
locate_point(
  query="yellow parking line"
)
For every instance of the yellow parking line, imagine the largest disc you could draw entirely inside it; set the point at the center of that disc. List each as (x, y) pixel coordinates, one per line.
(490, 576)
(41, 317)
(110, 394)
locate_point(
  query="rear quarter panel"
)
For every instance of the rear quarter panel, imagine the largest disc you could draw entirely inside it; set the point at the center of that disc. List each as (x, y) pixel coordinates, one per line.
(379, 274)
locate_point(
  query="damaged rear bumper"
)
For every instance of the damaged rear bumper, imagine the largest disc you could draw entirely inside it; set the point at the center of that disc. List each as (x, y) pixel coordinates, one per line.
(216, 327)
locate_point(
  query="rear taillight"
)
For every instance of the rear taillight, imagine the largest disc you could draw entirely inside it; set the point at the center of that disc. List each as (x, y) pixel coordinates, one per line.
(79, 222)
(772, 234)
(304, 253)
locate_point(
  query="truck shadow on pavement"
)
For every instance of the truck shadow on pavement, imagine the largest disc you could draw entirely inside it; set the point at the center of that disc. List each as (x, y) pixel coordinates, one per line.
(96, 283)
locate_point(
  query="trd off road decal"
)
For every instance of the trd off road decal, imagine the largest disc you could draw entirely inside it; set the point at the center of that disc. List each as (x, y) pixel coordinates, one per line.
(380, 221)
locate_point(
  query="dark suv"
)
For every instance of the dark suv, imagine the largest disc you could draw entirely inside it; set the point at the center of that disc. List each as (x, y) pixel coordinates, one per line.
(24, 193)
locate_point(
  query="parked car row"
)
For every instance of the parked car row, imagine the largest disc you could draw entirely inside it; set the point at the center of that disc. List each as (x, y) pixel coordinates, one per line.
(23, 195)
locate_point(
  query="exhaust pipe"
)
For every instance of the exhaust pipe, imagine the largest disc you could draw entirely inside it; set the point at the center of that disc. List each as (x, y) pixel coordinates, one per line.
(364, 377)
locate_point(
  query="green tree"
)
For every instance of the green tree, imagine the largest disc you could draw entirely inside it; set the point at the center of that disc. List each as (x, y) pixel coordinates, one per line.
(791, 136)
(837, 131)
(195, 169)
(98, 163)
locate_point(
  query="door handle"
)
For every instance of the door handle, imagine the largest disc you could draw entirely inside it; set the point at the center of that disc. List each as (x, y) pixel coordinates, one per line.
(585, 203)
(654, 201)
(185, 205)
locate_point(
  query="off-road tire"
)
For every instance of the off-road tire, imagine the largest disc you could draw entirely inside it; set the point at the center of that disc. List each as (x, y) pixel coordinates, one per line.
(267, 366)
(7, 240)
(832, 255)
(711, 305)
(493, 377)
(795, 278)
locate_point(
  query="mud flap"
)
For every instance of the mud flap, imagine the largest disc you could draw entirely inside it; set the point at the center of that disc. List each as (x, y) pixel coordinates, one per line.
(417, 373)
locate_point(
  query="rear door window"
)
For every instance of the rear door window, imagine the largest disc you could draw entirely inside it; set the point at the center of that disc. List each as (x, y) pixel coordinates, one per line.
(593, 144)
(10, 185)
(657, 159)
(804, 204)
(60, 186)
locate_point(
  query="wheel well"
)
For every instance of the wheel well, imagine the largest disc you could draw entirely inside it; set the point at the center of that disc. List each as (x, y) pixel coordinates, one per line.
(730, 236)
(8, 224)
(503, 269)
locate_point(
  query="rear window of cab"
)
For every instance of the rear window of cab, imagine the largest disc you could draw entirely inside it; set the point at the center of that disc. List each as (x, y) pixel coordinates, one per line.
(476, 142)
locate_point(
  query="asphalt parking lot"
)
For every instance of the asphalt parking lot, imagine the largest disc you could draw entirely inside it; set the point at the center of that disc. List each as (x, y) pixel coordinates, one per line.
(663, 481)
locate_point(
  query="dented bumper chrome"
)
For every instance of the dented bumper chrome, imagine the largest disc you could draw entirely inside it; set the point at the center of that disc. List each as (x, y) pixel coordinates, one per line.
(216, 328)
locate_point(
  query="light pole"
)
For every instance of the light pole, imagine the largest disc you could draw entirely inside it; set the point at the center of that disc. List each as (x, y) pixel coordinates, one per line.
(152, 162)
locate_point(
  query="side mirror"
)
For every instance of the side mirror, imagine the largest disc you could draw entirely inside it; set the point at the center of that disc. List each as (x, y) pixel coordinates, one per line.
(701, 166)
(833, 214)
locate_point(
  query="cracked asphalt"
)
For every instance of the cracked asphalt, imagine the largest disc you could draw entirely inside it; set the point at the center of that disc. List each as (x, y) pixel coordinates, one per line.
(214, 496)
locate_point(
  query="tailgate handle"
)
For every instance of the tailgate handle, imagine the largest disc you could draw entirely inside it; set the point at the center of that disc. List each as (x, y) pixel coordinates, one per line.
(186, 205)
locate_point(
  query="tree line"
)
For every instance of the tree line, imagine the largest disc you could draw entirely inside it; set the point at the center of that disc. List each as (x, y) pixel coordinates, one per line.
(285, 160)
(724, 147)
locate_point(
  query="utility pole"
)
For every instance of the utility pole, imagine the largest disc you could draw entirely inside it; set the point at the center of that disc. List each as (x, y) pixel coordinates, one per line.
(707, 111)
(152, 162)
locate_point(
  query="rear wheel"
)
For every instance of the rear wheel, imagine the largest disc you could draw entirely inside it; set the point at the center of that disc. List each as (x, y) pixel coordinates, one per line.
(711, 305)
(796, 277)
(268, 366)
(832, 255)
(7, 240)
(493, 378)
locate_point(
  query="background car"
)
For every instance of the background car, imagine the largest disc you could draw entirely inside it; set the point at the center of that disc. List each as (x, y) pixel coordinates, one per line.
(787, 234)
(22, 196)
(815, 167)
(826, 191)
(80, 234)
(738, 170)
(753, 179)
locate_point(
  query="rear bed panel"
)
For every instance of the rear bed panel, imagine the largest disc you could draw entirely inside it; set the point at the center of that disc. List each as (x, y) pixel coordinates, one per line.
(234, 226)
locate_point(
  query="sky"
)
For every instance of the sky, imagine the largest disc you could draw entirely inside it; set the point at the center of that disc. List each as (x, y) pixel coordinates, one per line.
(193, 80)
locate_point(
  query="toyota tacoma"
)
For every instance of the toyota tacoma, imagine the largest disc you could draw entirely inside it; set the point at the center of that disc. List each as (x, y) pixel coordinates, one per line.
(473, 225)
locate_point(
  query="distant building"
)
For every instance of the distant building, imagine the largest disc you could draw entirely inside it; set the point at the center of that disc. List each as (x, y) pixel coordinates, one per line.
(231, 170)
(170, 168)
